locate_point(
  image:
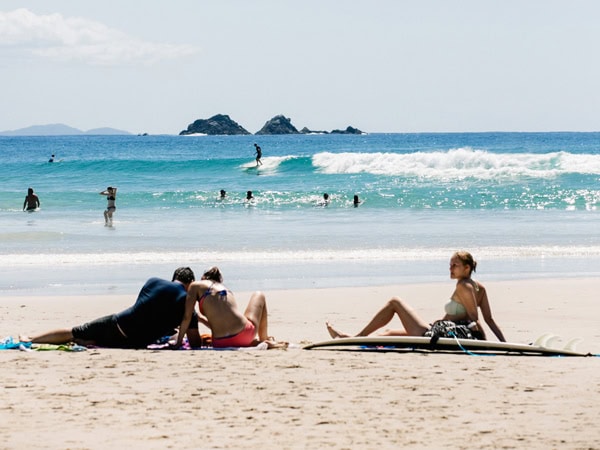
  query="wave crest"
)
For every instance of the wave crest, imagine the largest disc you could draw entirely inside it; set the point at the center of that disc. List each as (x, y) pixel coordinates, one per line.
(458, 164)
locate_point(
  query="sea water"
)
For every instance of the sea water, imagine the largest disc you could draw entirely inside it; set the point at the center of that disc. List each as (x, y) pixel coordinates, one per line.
(525, 204)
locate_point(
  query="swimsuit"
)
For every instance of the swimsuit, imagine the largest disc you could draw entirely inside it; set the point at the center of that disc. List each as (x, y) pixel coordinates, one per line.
(103, 332)
(454, 308)
(156, 313)
(208, 291)
(111, 203)
(244, 338)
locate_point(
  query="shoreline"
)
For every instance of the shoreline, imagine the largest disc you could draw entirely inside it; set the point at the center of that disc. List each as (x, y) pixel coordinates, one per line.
(116, 279)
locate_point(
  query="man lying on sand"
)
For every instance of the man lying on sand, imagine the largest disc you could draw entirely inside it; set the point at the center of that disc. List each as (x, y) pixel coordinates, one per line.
(156, 313)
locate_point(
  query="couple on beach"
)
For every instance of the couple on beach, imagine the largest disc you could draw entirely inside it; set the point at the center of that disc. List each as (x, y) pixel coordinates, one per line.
(164, 305)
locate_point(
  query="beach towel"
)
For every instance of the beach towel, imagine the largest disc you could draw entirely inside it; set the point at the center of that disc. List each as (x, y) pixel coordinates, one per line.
(8, 343)
(163, 344)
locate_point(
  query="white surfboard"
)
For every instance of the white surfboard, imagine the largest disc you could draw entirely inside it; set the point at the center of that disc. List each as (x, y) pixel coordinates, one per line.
(408, 343)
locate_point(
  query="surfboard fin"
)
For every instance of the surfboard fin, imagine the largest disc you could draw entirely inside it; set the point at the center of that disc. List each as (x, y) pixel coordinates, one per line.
(552, 340)
(543, 340)
(572, 344)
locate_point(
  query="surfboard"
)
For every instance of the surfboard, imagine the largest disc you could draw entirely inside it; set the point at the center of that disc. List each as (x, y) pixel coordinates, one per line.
(420, 343)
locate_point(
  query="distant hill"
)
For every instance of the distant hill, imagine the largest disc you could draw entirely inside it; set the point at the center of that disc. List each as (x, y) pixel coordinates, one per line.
(59, 129)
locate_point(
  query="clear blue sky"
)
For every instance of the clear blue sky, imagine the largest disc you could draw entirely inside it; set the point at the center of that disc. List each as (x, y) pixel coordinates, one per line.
(380, 65)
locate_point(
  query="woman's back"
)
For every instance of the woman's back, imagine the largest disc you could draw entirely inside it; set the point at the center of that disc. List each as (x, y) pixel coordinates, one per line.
(219, 306)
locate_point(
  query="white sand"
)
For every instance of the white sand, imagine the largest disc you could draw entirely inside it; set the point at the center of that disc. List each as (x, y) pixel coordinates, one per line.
(293, 398)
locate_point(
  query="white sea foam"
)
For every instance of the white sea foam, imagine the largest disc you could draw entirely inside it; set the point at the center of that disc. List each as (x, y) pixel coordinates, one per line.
(269, 164)
(458, 164)
(291, 256)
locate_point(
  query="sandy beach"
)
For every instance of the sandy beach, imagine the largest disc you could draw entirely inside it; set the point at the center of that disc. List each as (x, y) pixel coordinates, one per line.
(104, 398)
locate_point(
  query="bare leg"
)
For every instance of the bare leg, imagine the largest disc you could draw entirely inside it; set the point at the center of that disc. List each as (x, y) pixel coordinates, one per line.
(413, 324)
(62, 336)
(256, 312)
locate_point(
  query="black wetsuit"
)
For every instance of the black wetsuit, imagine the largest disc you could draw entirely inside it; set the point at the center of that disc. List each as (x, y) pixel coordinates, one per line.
(156, 313)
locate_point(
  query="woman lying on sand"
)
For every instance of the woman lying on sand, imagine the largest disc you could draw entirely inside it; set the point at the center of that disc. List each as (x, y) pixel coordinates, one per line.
(468, 296)
(219, 311)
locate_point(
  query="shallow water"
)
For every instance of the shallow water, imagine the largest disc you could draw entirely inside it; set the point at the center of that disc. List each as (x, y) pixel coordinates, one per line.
(525, 204)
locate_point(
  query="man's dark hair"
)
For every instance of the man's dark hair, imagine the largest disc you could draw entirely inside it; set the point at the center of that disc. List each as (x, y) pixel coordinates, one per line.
(184, 274)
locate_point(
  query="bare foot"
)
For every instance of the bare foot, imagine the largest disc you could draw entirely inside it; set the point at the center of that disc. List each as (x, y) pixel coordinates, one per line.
(272, 343)
(24, 338)
(335, 333)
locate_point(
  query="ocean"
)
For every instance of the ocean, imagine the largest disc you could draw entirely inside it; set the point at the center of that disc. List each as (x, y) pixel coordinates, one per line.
(527, 205)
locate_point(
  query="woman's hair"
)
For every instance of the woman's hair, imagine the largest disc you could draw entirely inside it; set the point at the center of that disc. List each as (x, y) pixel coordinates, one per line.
(467, 259)
(184, 274)
(214, 274)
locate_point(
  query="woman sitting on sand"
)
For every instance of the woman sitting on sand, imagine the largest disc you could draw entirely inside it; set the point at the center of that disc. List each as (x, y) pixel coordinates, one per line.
(219, 311)
(468, 296)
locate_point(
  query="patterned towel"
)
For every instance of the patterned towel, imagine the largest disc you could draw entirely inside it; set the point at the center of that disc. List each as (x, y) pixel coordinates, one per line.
(8, 343)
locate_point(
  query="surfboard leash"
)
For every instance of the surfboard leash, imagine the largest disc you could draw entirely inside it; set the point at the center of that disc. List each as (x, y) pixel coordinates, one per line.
(469, 352)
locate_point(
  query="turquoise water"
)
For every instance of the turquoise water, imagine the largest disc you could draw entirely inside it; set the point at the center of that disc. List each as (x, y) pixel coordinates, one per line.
(525, 204)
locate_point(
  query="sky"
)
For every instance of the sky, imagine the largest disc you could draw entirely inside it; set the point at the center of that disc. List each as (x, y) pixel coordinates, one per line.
(155, 66)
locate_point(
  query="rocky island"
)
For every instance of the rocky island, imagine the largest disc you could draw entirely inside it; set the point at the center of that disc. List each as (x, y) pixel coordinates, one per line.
(216, 125)
(222, 124)
(278, 125)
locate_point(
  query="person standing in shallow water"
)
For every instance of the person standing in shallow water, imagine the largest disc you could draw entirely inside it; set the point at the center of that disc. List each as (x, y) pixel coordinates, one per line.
(32, 201)
(111, 196)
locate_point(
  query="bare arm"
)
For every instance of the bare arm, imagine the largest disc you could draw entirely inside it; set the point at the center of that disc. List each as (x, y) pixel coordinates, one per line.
(190, 302)
(486, 311)
(194, 338)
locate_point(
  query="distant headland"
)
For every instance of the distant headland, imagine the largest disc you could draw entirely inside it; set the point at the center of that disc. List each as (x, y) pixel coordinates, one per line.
(58, 129)
(222, 124)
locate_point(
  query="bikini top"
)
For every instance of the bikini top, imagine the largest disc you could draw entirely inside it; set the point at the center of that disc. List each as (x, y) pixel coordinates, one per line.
(454, 308)
(222, 294)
